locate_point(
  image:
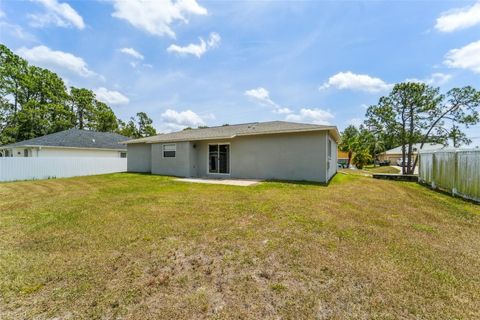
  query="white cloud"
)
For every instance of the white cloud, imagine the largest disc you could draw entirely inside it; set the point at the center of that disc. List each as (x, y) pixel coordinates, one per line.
(352, 81)
(197, 49)
(132, 52)
(59, 14)
(467, 57)
(155, 17)
(175, 120)
(459, 19)
(111, 97)
(282, 111)
(214, 40)
(355, 121)
(263, 96)
(315, 116)
(435, 79)
(439, 78)
(16, 31)
(48, 58)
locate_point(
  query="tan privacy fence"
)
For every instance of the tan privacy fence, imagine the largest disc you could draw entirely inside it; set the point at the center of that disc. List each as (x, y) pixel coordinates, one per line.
(455, 171)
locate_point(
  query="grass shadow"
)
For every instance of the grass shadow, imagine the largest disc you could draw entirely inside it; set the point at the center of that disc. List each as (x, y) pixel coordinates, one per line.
(449, 193)
(299, 182)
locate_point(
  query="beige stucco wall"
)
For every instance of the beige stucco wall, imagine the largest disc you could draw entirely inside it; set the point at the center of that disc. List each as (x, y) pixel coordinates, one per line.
(299, 156)
(139, 157)
(182, 165)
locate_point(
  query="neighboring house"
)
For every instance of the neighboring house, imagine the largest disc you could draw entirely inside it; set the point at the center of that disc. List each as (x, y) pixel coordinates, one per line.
(69, 143)
(396, 153)
(260, 150)
(342, 158)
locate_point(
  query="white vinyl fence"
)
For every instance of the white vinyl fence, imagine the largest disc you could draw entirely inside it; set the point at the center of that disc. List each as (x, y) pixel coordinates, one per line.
(12, 169)
(455, 171)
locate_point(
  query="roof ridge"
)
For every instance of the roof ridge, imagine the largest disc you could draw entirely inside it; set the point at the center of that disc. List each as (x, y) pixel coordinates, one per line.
(226, 125)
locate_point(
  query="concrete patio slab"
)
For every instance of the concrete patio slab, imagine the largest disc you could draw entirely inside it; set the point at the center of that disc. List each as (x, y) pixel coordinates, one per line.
(230, 182)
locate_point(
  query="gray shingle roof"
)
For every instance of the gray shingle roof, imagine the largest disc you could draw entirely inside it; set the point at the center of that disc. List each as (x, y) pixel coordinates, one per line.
(75, 138)
(232, 131)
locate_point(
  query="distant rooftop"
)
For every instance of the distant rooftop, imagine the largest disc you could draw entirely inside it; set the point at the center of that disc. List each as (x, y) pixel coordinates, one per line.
(236, 130)
(416, 148)
(75, 138)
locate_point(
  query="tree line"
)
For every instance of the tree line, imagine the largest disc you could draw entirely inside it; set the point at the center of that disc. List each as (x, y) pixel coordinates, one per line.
(35, 101)
(412, 113)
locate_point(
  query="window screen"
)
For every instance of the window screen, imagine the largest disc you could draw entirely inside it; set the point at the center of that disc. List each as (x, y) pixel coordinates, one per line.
(169, 150)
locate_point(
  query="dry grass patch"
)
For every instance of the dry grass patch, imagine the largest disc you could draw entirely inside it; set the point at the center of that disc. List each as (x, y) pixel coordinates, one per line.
(384, 169)
(146, 247)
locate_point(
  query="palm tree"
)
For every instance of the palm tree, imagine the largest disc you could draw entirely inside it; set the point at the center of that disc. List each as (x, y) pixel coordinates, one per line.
(361, 158)
(349, 141)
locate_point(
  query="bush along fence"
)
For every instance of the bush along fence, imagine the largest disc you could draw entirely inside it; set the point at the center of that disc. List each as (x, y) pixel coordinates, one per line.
(16, 168)
(453, 171)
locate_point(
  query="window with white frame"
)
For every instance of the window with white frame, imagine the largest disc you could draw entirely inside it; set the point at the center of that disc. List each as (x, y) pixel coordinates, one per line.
(169, 150)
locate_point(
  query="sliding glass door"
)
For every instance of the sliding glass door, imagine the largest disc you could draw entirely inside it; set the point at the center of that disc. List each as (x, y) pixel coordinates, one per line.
(219, 158)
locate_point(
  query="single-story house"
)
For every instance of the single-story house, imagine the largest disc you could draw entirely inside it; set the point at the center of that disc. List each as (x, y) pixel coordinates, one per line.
(69, 143)
(396, 153)
(261, 150)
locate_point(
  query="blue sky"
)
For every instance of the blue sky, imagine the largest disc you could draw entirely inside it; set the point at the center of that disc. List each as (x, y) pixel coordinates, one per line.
(189, 63)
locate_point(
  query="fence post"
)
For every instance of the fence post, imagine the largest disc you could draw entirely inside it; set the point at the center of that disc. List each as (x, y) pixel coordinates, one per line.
(419, 159)
(455, 176)
(433, 185)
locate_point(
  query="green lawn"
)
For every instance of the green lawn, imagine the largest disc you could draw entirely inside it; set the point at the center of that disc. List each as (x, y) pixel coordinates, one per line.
(147, 247)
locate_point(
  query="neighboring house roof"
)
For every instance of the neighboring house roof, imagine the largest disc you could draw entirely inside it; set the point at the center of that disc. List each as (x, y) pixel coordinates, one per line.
(75, 138)
(416, 148)
(237, 130)
(342, 154)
